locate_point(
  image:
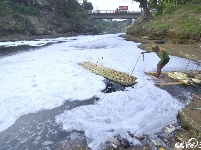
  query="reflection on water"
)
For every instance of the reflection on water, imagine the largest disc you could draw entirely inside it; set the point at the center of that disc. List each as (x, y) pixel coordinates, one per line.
(8, 51)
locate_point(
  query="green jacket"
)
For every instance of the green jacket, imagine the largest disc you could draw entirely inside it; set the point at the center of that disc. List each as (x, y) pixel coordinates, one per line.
(162, 55)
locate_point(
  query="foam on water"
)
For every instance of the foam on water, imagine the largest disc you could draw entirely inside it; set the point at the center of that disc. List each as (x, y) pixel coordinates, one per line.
(47, 77)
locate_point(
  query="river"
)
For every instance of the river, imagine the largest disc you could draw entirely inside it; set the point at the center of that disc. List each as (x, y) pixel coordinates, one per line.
(47, 98)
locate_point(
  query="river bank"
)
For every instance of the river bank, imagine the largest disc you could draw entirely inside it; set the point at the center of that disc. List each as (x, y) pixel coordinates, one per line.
(189, 51)
(24, 37)
(189, 117)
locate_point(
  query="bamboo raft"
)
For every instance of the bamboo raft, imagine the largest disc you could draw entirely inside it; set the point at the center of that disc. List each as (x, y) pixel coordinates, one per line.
(111, 74)
(177, 78)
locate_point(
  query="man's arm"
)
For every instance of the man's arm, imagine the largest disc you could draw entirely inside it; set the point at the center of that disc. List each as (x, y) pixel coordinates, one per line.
(148, 51)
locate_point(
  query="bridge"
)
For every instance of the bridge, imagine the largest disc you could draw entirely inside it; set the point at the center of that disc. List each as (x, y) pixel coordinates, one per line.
(112, 14)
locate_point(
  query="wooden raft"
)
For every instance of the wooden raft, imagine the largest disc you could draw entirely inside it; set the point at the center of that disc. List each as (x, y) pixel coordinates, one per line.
(176, 78)
(111, 74)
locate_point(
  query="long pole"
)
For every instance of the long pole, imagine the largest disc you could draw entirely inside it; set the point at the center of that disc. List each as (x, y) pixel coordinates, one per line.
(135, 64)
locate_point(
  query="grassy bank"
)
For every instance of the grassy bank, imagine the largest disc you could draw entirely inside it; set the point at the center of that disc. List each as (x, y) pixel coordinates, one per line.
(179, 25)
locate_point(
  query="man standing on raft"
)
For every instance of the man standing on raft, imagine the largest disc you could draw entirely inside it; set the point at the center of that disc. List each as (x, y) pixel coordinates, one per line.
(163, 55)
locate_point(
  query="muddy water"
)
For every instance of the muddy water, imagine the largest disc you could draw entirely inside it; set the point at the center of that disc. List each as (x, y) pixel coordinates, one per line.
(8, 51)
(182, 93)
(39, 130)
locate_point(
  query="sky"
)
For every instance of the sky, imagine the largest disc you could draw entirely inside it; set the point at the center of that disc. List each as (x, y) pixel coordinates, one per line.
(46, 77)
(113, 4)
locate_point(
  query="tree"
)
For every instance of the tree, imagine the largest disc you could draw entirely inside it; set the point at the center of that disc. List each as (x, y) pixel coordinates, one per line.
(88, 5)
(145, 8)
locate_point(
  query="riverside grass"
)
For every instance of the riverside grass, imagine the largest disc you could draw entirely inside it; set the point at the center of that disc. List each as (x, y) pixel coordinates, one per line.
(180, 25)
(111, 74)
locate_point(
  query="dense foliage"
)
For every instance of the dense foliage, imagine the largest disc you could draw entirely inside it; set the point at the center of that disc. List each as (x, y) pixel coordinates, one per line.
(30, 17)
(114, 26)
(9, 7)
(13, 15)
(159, 5)
(179, 25)
(165, 5)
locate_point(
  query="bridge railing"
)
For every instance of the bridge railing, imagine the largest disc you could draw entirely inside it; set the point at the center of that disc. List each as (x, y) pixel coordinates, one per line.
(109, 11)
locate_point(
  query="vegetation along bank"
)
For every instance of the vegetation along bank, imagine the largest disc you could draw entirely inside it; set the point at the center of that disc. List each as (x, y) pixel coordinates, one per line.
(22, 19)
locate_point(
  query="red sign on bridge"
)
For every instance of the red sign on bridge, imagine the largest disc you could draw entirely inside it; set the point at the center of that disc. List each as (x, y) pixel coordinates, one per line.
(123, 7)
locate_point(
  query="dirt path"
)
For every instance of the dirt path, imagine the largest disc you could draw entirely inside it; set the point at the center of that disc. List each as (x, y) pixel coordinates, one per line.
(188, 51)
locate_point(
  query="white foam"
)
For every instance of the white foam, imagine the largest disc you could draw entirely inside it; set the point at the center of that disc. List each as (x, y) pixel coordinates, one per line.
(47, 77)
(47, 143)
(37, 42)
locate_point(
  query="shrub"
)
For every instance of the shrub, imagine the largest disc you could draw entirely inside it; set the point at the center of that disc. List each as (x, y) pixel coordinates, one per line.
(22, 24)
